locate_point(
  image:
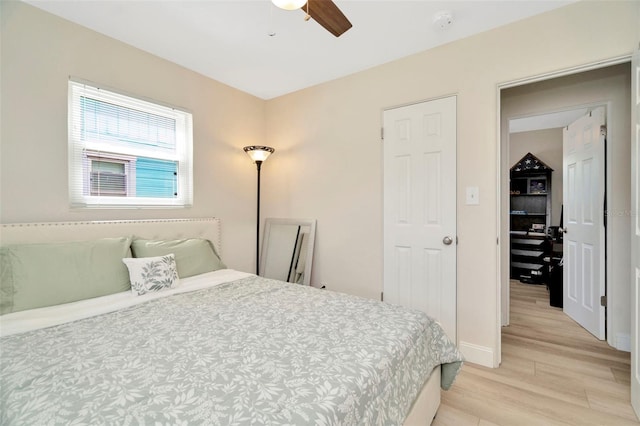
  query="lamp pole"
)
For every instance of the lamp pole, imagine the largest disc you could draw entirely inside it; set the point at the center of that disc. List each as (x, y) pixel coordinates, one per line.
(258, 154)
(258, 165)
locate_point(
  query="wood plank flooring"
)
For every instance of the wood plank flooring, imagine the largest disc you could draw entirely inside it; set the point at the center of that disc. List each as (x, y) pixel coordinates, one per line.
(553, 372)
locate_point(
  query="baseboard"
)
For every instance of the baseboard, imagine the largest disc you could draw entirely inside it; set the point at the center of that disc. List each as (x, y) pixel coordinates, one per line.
(622, 342)
(476, 354)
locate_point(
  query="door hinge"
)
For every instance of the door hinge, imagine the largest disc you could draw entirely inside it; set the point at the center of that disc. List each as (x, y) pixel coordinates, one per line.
(603, 301)
(382, 133)
(382, 296)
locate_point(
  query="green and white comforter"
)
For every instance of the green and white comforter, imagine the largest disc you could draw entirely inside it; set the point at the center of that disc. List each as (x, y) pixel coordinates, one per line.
(249, 352)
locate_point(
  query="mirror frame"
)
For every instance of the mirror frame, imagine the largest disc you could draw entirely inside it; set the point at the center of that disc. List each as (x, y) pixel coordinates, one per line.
(311, 223)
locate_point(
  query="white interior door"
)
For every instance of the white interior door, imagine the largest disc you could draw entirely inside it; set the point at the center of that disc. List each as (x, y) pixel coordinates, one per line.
(420, 209)
(583, 197)
(635, 234)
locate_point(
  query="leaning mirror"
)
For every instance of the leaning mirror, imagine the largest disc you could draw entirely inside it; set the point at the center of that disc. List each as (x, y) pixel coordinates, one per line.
(287, 249)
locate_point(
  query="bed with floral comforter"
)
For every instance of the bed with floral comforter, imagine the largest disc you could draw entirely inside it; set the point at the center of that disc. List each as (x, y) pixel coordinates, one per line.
(250, 351)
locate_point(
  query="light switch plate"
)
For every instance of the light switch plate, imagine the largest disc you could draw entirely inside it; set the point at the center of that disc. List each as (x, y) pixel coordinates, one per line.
(473, 195)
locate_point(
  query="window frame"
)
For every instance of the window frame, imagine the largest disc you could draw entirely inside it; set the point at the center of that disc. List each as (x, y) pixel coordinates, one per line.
(82, 151)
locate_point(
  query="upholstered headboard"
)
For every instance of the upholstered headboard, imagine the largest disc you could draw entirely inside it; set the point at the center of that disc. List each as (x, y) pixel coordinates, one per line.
(48, 232)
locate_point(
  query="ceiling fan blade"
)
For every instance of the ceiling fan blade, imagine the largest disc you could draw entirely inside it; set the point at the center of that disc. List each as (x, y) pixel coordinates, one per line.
(327, 14)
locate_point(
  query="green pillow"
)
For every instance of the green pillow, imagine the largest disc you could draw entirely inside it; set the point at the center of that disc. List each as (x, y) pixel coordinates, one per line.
(193, 255)
(38, 275)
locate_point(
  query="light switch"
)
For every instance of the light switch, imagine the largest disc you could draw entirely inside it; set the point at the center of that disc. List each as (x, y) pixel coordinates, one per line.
(473, 195)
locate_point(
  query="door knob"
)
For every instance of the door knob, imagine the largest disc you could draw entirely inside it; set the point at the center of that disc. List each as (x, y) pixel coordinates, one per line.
(447, 240)
(562, 230)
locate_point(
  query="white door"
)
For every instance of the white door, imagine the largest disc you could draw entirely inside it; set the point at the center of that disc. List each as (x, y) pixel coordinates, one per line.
(420, 209)
(583, 217)
(635, 235)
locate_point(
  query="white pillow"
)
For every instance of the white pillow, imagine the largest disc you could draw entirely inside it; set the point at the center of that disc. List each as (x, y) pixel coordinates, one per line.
(148, 274)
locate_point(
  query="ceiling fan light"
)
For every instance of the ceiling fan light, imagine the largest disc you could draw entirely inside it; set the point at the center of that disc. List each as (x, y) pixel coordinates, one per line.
(289, 4)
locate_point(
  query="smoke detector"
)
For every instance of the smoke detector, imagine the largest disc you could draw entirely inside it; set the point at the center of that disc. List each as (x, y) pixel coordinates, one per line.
(443, 19)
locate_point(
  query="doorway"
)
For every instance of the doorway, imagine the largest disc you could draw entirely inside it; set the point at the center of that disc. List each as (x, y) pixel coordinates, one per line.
(608, 86)
(558, 238)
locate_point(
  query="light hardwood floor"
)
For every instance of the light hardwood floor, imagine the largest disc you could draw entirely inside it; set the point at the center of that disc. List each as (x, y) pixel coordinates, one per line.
(553, 372)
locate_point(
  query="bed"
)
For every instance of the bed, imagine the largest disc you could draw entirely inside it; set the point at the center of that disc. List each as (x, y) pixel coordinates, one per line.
(217, 347)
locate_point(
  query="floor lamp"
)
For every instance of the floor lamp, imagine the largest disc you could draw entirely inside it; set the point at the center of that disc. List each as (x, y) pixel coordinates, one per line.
(258, 154)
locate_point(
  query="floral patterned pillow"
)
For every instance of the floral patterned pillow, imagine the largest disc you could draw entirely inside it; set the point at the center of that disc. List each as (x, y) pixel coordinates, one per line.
(149, 274)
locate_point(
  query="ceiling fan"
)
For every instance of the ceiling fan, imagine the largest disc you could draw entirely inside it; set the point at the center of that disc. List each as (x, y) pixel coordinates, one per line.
(324, 12)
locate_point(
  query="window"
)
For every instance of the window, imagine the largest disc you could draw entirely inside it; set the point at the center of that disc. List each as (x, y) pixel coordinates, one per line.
(125, 151)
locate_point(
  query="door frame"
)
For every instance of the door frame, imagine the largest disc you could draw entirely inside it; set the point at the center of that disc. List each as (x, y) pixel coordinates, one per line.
(502, 294)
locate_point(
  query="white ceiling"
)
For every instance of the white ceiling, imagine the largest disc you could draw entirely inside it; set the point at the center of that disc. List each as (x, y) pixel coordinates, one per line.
(229, 42)
(551, 120)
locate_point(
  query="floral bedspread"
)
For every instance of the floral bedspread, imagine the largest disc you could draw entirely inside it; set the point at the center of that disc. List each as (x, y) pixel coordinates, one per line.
(249, 352)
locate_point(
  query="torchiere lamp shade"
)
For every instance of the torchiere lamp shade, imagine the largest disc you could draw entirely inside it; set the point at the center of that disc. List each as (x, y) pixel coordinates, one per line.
(258, 153)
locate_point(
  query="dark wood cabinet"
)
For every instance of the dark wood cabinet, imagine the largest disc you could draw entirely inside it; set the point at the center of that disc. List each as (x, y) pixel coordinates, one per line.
(528, 254)
(530, 218)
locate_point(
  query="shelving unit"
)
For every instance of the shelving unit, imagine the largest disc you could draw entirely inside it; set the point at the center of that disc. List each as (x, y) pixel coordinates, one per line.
(530, 212)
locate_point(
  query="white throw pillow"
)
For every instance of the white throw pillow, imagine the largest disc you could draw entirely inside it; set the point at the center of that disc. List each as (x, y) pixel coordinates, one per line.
(149, 274)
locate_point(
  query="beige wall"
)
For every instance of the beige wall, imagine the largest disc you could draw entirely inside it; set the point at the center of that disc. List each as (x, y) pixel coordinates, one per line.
(547, 146)
(328, 161)
(40, 52)
(329, 164)
(609, 86)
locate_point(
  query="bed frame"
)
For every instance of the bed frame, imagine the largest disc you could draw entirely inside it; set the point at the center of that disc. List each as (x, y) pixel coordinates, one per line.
(426, 404)
(425, 407)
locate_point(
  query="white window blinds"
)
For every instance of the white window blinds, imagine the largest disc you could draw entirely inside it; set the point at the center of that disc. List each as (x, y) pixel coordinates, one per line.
(125, 151)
